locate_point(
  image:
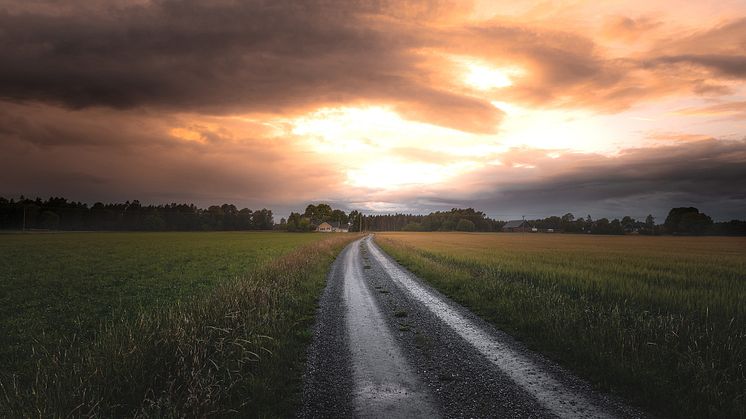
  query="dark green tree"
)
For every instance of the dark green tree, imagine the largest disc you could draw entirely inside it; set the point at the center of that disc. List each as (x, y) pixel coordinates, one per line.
(687, 220)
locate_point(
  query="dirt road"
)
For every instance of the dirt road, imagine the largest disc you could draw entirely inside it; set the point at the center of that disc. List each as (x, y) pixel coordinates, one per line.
(388, 345)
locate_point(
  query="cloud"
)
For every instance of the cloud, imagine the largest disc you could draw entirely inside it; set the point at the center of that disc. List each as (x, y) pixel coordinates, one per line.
(725, 109)
(567, 68)
(287, 57)
(724, 65)
(230, 57)
(724, 44)
(195, 101)
(636, 182)
(677, 136)
(102, 155)
(628, 29)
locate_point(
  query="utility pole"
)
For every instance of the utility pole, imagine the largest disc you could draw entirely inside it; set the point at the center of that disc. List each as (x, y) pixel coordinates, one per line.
(361, 222)
(23, 228)
(523, 224)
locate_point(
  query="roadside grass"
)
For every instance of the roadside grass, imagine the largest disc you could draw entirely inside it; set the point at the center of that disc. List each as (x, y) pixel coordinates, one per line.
(232, 346)
(58, 285)
(657, 319)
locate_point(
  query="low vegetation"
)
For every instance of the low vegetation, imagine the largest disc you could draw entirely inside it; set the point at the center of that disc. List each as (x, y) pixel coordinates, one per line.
(658, 319)
(168, 324)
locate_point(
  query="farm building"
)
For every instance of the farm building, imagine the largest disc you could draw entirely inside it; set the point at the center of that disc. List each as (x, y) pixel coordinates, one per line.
(517, 225)
(332, 227)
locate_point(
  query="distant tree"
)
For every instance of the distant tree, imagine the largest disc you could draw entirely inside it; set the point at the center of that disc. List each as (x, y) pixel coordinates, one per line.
(318, 213)
(310, 211)
(601, 226)
(154, 222)
(615, 227)
(695, 223)
(552, 222)
(244, 219)
(355, 219)
(465, 225)
(413, 227)
(305, 225)
(323, 213)
(687, 220)
(650, 221)
(730, 228)
(49, 220)
(339, 216)
(262, 219)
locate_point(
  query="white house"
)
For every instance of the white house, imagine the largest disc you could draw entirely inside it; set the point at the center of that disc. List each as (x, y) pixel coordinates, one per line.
(332, 227)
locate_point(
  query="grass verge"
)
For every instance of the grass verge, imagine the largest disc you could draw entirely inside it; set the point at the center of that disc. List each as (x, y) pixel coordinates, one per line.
(237, 350)
(659, 320)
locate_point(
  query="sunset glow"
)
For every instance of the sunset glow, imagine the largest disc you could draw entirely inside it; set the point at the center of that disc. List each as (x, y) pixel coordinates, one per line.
(449, 104)
(485, 78)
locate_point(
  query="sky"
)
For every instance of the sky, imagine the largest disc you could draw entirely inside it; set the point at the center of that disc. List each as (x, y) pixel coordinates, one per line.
(529, 108)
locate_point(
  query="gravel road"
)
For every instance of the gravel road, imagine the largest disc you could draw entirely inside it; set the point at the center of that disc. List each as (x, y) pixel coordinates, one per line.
(388, 345)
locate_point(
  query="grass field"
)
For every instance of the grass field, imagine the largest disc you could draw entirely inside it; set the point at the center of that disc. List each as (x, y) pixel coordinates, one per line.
(658, 319)
(156, 323)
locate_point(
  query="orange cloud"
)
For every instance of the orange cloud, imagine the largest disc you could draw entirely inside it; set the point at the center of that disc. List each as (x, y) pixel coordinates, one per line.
(286, 101)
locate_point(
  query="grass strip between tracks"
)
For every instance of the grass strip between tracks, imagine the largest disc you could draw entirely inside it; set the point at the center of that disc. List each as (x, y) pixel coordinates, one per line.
(237, 349)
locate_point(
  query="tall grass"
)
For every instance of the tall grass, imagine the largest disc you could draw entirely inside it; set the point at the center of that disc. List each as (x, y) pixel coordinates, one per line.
(235, 351)
(660, 320)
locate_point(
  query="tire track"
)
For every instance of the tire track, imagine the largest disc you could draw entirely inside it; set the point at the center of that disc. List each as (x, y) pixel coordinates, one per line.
(540, 384)
(388, 345)
(385, 385)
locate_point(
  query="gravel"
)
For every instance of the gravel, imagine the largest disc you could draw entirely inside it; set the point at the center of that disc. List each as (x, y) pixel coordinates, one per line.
(460, 380)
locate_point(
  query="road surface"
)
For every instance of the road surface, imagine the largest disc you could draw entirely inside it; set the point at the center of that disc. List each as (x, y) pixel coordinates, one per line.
(388, 345)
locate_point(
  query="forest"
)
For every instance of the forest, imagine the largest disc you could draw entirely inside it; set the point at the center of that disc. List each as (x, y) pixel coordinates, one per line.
(61, 214)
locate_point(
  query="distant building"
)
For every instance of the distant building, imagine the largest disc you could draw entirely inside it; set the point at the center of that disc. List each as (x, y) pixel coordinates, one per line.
(332, 227)
(517, 226)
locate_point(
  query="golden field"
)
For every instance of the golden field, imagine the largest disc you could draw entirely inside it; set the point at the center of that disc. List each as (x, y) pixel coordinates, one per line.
(658, 319)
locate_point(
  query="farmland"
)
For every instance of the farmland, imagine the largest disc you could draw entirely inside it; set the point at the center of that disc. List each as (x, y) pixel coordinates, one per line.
(156, 323)
(657, 319)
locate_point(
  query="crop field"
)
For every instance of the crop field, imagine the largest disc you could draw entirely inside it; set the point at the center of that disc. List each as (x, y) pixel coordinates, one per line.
(154, 324)
(660, 320)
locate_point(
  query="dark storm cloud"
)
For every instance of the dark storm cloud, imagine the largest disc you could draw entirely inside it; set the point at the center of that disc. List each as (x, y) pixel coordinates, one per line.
(707, 174)
(227, 57)
(289, 57)
(704, 174)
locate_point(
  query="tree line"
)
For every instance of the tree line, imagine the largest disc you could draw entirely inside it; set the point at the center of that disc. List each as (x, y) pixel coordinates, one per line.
(454, 220)
(61, 214)
(457, 219)
(680, 221)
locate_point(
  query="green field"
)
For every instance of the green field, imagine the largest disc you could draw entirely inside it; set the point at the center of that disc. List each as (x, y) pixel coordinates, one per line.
(156, 323)
(660, 320)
